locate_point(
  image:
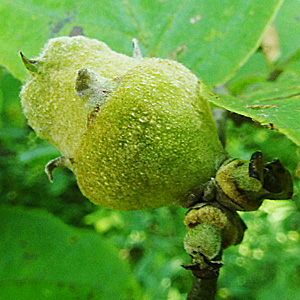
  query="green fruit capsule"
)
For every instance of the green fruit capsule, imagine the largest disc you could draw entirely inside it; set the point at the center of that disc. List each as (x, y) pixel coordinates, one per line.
(138, 133)
(211, 228)
(49, 99)
(152, 141)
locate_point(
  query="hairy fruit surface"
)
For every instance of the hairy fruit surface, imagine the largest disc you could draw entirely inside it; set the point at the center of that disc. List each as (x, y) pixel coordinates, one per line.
(49, 99)
(136, 132)
(151, 142)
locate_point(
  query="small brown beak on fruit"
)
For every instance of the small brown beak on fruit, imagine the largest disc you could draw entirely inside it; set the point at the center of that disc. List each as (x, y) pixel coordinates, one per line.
(274, 177)
(30, 65)
(256, 166)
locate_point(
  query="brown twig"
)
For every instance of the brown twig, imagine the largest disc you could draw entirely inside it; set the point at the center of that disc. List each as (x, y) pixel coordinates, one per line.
(203, 289)
(204, 286)
(77, 31)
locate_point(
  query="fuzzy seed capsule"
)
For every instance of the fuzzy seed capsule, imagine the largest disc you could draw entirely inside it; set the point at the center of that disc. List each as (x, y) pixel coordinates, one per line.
(151, 142)
(50, 102)
(138, 132)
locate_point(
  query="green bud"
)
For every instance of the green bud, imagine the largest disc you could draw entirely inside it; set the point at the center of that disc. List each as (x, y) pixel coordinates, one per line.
(211, 228)
(243, 185)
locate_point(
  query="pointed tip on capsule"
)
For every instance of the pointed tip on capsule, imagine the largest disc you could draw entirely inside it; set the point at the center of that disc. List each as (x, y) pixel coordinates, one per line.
(76, 31)
(256, 166)
(30, 65)
(137, 53)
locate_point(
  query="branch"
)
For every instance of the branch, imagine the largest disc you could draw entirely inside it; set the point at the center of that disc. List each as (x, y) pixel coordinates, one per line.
(203, 289)
(210, 229)
(204, 286)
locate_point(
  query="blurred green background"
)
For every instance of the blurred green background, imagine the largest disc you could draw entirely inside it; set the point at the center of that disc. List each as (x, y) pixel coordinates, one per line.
(55, 244)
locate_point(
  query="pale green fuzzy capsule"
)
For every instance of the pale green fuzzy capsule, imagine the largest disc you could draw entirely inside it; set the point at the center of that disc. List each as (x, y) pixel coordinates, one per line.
(225, 222)
(211, 228)
(49, 99)
(243, 185)
(152, 141)
(204, 239)
(138, 133)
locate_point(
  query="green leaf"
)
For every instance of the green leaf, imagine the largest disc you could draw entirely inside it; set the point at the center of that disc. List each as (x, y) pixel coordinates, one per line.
(287, 24)
(292, 66)
(273, 104)
(255, 70)
(10, 109)
(212, 38)
(42, 258)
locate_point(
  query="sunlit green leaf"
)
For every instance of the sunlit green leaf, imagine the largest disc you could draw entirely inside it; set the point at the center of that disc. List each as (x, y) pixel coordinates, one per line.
(11, 113)
(292, 66)
(273, 104)
(42, 258)
(287, 24)
(213, 38)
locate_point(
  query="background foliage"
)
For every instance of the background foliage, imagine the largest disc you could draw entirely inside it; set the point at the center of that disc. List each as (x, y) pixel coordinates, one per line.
(219, 41)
